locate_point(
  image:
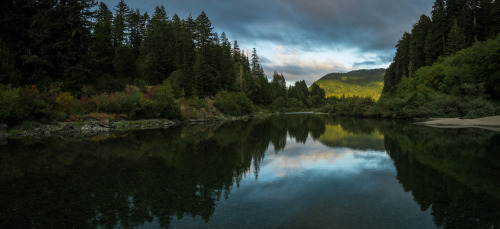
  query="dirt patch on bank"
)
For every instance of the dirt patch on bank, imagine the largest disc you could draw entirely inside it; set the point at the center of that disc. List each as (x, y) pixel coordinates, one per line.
(490, 123)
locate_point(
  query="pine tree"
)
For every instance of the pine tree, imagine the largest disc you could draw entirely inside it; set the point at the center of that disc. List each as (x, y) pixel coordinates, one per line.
(73, 32)
(436, 37)
(155, 53)
(402, 58)
(120, 23)
(278, 86)
(390, 80)
(227, 70)
(236, 52)
(203, 34)
(484, 19)
(136, 25)
(102, 42)
(255, 63)
(417, 43)
(495, 19)
(456, 40)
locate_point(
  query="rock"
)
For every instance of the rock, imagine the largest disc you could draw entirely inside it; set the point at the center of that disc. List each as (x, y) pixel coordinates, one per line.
(3, 126)
(106, 124)
(68, 127)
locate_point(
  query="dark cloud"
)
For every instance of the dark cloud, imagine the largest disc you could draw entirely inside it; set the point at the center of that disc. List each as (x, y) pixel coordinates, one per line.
(377, 61)
(368, 26)
(318, 24)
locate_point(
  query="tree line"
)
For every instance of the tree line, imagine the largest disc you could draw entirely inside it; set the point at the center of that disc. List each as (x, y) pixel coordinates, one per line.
(61, 51)
(453, 25)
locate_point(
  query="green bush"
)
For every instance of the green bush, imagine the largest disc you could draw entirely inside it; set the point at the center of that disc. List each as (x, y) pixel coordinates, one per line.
(421, 105)
(166, 105)
(233, 103)
(352, 106)
(23, 104)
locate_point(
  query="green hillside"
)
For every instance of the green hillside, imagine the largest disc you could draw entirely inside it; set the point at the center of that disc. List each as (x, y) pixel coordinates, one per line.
(361, 83)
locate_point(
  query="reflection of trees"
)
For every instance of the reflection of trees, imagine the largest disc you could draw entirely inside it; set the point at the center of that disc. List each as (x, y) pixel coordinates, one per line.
(454, 172)
(131, 178)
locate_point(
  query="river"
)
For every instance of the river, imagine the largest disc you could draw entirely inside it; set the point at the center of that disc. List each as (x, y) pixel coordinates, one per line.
(285, 171)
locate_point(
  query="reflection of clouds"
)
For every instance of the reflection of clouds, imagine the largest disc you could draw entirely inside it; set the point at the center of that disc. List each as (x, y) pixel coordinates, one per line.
(298, 158)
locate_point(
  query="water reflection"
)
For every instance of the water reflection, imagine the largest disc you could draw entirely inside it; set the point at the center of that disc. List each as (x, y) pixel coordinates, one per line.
(284, 171)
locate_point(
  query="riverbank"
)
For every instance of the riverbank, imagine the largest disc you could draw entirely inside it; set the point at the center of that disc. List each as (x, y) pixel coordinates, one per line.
(490, 123)
(94, 126)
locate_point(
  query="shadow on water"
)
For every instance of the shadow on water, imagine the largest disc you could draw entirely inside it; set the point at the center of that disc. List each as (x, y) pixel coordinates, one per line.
(131, 178)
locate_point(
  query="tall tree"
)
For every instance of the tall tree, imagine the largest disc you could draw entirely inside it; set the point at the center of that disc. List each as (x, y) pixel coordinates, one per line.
(417, 44)
(136, 25)
(390, 80)
(226, 68)
(72, 29)
(256, 68)
(484, 20)
(203, 35)
(436, 37)
(402, 58)
(495, 18)
(155, 55)
(120, 23)
(278, 86)
(456, 40)
(102, 41)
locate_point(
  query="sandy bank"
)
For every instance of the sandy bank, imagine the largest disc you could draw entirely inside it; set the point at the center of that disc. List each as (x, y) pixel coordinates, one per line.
(490, 123)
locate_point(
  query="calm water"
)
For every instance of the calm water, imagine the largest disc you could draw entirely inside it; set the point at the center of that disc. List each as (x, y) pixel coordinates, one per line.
(288, 171)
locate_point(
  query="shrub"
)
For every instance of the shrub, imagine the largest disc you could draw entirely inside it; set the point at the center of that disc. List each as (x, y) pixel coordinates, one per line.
(22, 104)
(233, 103)
(65, 101)
(166, 105)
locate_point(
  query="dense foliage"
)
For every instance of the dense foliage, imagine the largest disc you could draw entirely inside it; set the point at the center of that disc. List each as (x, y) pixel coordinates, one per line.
(124, 62)
(454, 25)
(448, 65)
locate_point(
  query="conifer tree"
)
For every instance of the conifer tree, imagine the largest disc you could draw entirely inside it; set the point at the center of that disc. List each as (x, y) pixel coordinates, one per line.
(227, 70)
(155, 56)
(456, 39)
(120, 23)
(203, 34)
(102, 41)
(136, 25)
(495, 18)
(402, 58)
(436, 37)
(278, 86)
(417, 44)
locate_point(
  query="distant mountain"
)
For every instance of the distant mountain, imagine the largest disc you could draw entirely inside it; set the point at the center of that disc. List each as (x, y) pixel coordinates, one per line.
(361, 83)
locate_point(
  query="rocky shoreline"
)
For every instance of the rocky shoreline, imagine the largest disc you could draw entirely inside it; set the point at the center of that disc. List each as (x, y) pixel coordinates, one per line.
(103, 126)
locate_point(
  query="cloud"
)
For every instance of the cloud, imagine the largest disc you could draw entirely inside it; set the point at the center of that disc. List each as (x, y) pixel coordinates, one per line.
(316, 26)
(372, 62)
(297, 64)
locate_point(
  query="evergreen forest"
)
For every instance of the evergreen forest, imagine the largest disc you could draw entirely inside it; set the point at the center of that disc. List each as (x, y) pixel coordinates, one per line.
(448, 65)
(67, 59)
(64, 60)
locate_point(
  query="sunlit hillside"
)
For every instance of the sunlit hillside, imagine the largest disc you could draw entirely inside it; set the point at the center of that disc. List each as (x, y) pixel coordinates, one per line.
(336, 136)
(361, 83)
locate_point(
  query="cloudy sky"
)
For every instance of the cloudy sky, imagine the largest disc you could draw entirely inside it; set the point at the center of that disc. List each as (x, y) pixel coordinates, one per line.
(306, 39)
